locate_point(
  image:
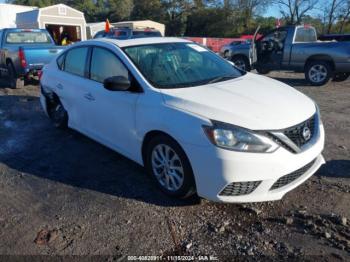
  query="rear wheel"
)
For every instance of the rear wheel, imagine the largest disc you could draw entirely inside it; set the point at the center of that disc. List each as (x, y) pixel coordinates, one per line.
(318, 73)
(58, 114)
(13, 79)
(169, 166)
(340, 77)
(241, 62)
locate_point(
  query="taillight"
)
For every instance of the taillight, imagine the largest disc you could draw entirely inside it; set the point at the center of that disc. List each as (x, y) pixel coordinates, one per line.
(22, 58)
(40, 74)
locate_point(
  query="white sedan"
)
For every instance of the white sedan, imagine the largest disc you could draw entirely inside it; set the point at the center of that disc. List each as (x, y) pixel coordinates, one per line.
(193, 120)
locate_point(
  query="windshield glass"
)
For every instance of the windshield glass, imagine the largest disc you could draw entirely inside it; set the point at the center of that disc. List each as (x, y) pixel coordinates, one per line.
(175, 65)
(28, 37)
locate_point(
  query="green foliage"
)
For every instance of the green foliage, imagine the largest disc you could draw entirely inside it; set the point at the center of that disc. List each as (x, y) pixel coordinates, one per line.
(210, 18)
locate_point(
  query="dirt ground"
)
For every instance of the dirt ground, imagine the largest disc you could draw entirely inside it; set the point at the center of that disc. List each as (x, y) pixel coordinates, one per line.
(64, 194)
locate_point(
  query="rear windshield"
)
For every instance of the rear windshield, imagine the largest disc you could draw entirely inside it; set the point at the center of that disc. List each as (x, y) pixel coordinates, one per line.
(146, 33)
(28, 38)
(305, 35)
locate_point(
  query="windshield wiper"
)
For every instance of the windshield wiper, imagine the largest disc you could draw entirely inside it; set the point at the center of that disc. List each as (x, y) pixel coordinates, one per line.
(220, 78)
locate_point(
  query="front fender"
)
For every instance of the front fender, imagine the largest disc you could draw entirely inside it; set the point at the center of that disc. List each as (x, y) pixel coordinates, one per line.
(184, 127)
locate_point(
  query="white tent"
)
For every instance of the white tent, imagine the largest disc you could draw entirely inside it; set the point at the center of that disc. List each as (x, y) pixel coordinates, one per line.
(141, 25)
(8, 14)
(58, 19)
(93, 28)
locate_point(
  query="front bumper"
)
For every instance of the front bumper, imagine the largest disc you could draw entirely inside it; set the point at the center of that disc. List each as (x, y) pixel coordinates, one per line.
(216, 168)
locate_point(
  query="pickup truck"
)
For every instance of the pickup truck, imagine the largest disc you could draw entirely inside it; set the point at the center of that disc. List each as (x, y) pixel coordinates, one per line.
(24, 52)
(296, 48)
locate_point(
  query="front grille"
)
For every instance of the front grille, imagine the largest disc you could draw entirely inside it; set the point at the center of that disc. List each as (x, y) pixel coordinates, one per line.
(295, 133)
(294, 137)
(285, 180)
(240, 188)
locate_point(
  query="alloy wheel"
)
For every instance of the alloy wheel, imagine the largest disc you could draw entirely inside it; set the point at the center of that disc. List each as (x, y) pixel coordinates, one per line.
(240, 64)
(318, 73)
(167, 167)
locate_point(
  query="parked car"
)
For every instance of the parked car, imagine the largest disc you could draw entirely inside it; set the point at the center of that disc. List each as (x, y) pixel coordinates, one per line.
(127, 33)
(192, 119)
(296, 48)
(24, 52)
(238, 53)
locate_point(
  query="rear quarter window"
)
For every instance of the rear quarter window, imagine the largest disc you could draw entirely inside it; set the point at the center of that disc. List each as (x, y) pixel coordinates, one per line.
(305, 35)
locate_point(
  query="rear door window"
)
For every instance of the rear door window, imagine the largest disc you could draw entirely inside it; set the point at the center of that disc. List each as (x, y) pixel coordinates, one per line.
(75, 61)
(105, 64)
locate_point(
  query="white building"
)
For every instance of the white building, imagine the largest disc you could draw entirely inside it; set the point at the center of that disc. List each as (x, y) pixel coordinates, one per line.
(58, 19)
(8, 14)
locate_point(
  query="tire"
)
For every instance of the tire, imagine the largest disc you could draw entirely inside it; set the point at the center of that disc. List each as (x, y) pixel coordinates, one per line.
(184, 185)
(340, 77)
(58, 114)
(318, 73)
(226, 54)
(262, 71)
(242, 63)
(14, 81)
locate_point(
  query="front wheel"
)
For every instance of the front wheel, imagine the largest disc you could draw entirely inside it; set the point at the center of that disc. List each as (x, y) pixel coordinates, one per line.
(169, 166)
(262, 71)
(318, 73)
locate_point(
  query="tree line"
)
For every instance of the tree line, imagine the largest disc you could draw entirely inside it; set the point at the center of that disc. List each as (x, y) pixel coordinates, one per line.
(214, 18)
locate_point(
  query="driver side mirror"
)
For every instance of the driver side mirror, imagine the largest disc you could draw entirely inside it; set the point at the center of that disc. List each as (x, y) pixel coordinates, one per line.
(116, 83)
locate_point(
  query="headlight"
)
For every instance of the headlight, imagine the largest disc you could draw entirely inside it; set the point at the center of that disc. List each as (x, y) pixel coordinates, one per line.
(238, 139)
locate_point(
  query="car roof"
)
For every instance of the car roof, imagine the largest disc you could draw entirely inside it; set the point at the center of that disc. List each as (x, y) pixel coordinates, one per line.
(142, 41)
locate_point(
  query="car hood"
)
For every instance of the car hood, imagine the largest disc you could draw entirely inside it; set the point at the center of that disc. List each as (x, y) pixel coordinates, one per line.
(251, 101)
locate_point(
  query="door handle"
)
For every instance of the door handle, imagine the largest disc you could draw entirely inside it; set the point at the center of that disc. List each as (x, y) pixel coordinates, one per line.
(89, 97)
(59, 86)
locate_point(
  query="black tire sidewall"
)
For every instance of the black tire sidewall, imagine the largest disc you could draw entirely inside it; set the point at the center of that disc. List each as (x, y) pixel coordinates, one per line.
(11, 75)
(188, 187)
(340, 77)
(313, 63)
(61, 123)
(262, 71)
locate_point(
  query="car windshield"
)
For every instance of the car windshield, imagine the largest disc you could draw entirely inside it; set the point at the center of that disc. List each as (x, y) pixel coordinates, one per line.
(24, 37)
(176, 65)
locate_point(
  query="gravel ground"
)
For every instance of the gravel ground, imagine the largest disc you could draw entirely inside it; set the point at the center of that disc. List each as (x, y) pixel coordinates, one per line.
(63, 194)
